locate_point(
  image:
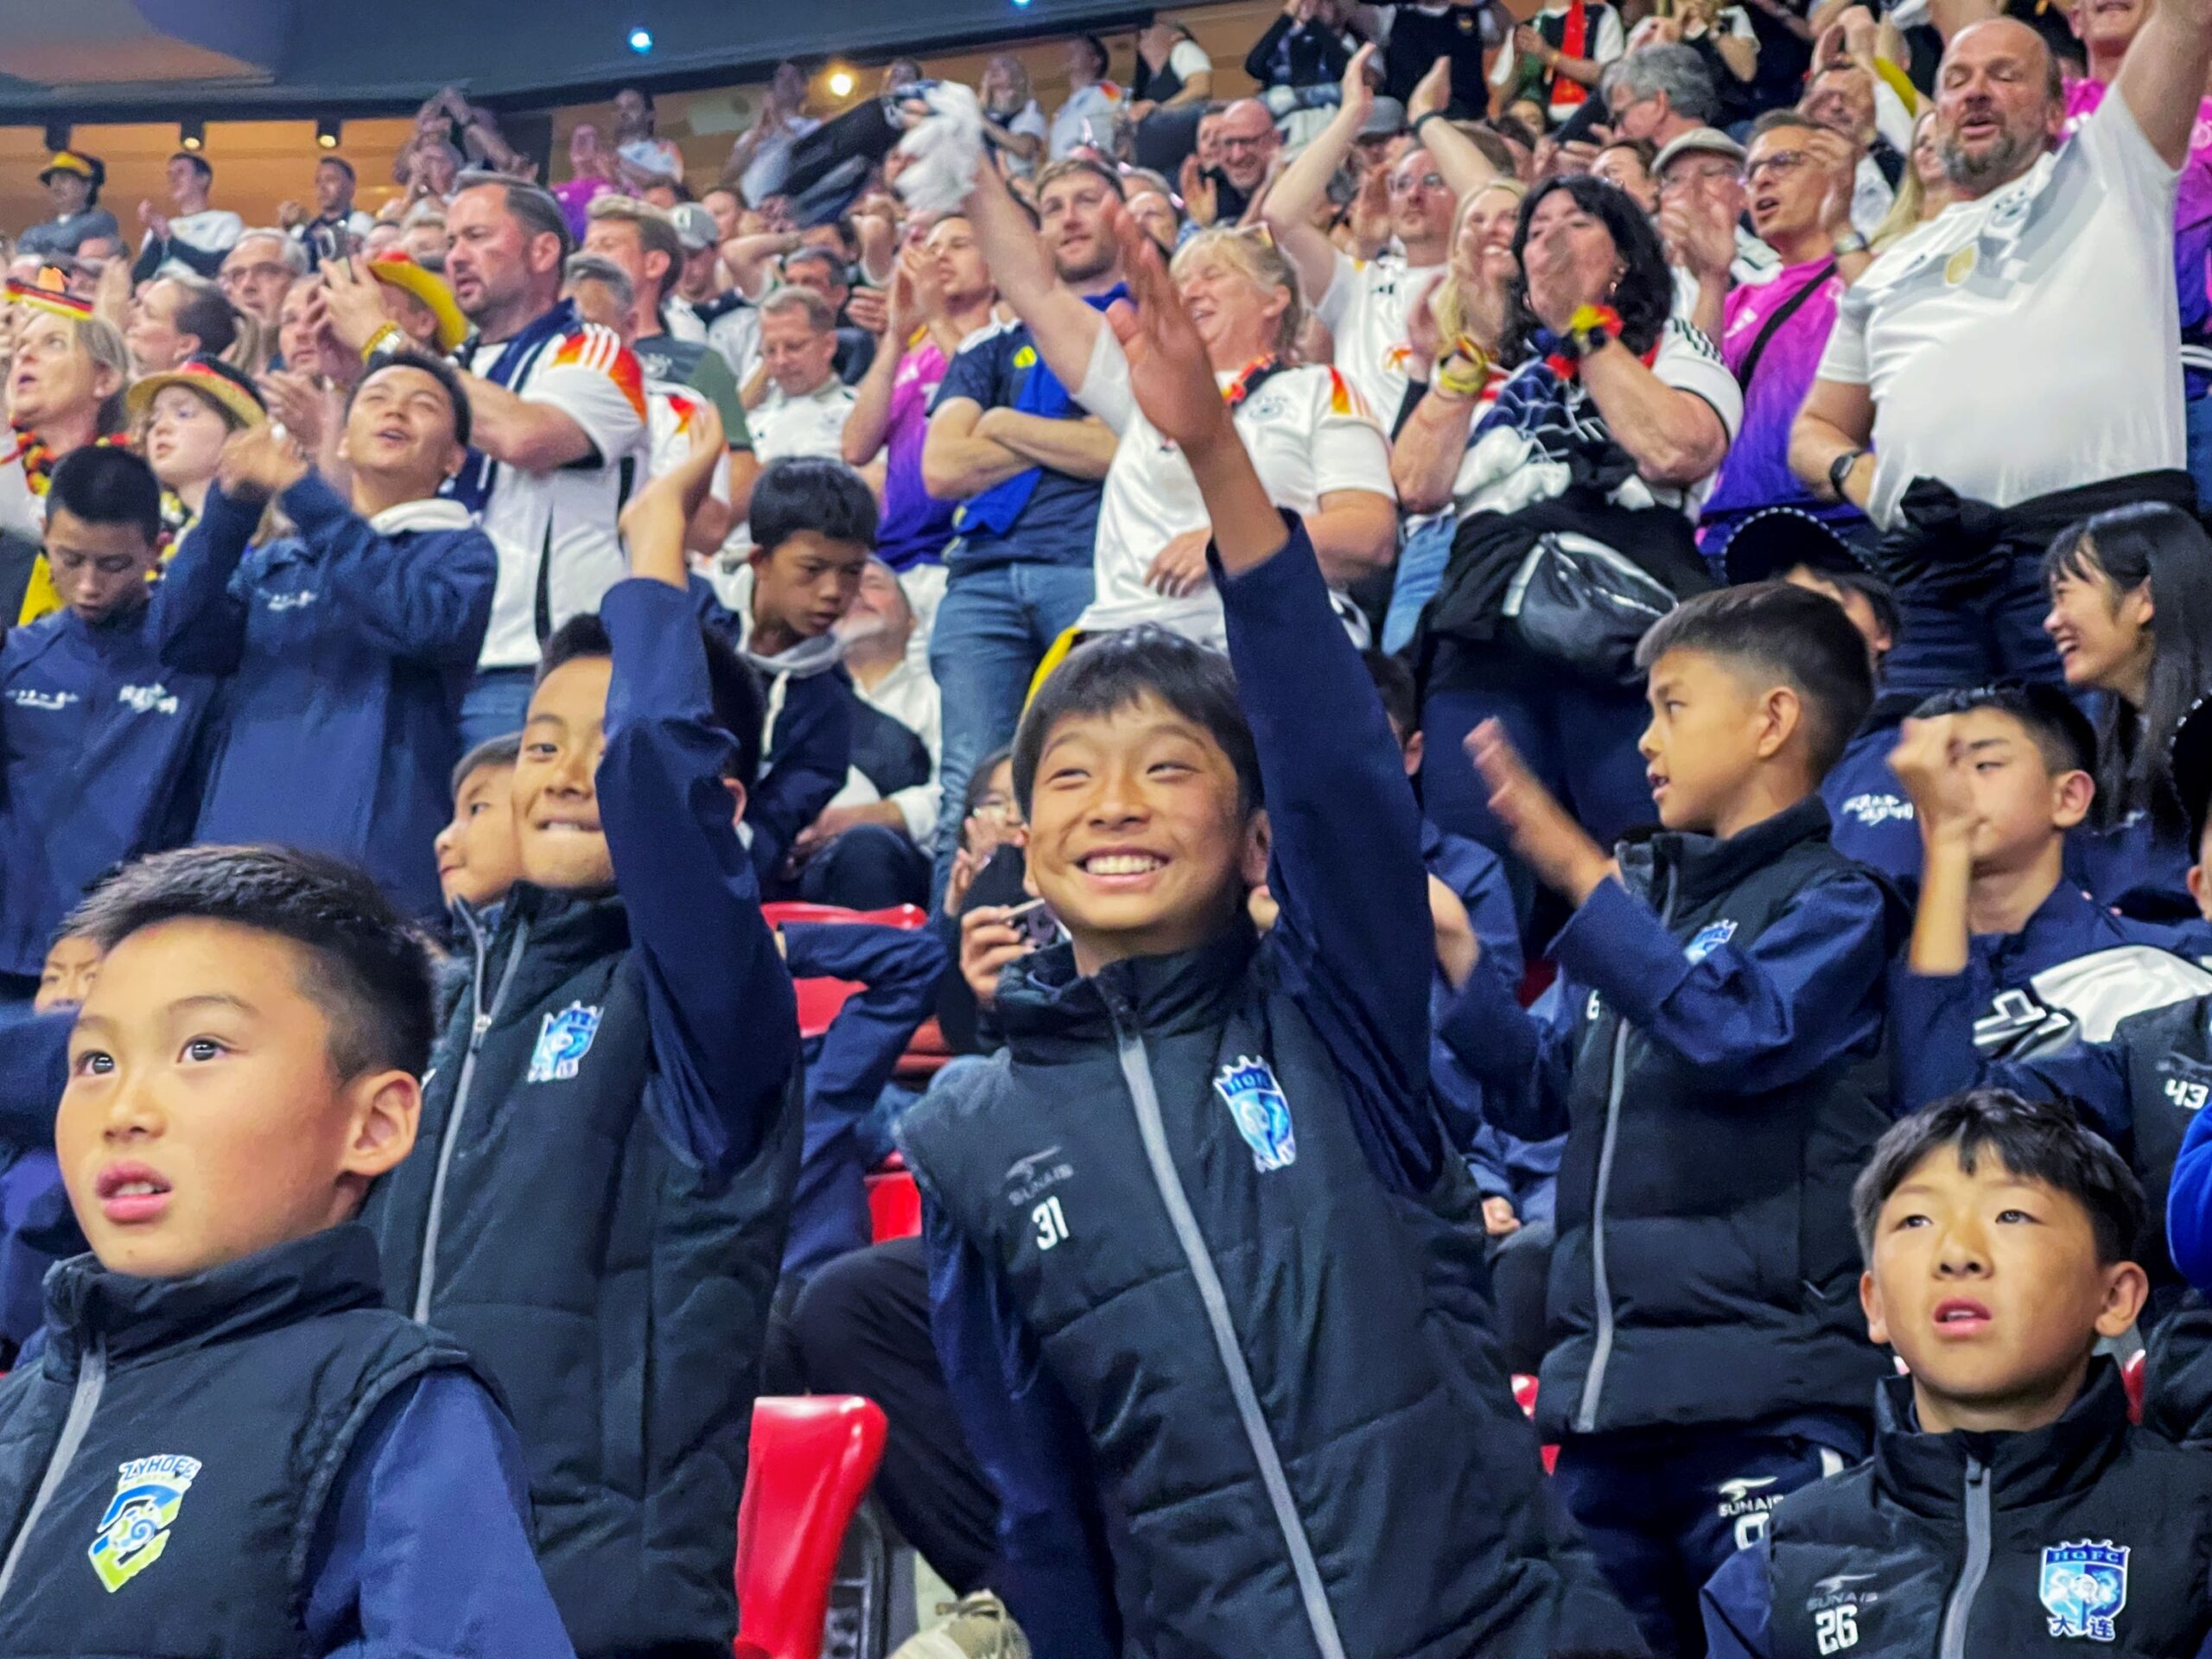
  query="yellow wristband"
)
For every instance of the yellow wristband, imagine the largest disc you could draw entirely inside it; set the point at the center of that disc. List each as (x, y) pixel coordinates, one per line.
(1462, 382)
(387, 334)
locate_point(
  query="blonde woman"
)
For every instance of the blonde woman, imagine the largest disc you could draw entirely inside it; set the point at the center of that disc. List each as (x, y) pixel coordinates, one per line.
(1318, 449)
(1454, 345)
(1923, 189)
(64, 392)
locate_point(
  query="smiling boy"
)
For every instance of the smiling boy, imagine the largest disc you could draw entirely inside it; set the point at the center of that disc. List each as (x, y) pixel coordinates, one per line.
(2009, 1507)
(347, 647)
(1200, 1261)
(227, 1444)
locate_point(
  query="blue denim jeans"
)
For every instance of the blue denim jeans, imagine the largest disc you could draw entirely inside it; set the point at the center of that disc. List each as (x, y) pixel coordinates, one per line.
(2198, 411)
(1421, 572)
(993, 628)
(495, 704)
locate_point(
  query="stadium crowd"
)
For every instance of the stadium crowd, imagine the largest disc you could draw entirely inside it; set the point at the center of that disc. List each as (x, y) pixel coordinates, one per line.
(1544, 697)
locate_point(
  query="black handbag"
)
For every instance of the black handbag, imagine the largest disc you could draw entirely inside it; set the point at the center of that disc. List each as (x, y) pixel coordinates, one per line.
(1585, 606)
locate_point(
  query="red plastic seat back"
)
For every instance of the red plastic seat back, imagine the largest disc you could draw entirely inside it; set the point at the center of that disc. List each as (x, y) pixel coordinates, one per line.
(2131, 1377)
(810, 1466)
(894, 1205)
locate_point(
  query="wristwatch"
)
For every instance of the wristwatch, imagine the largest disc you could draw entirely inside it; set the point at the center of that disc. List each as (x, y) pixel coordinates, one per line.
(1839, 469)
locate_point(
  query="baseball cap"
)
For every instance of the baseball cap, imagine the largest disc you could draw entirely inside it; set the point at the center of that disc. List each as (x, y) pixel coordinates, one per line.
(1710, 140)
(1385, 120)
(695, 226)
(68, 161)
(1774, 541)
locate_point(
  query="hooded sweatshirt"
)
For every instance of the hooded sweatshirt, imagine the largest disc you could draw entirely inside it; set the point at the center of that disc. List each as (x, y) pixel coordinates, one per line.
(347, 649)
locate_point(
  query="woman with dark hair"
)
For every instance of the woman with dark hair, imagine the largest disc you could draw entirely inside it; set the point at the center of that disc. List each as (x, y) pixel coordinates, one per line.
(2130, 617)
(1589, 466)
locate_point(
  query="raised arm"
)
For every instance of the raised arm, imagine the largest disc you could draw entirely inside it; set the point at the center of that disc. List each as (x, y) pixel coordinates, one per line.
(1063, 326)
(424, 598)
(1675, 437)
(532, 437)
(2163, 76)
(1304, 184)
(1465, 169)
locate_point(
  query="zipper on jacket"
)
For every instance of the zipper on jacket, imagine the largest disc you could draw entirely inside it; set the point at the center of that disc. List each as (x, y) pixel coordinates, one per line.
(1959, 1608)
(1136, 1071)
(1601, 1281)
(91, 1381)
(426, 1275)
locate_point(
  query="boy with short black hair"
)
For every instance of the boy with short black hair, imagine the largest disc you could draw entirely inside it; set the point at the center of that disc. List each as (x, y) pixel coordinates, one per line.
(599, 1205)
(813, 528)
(97, 738)
(2009, 1506)
(347, 648)
(1200, 1259)
(1716, 1058)
(227, 1444)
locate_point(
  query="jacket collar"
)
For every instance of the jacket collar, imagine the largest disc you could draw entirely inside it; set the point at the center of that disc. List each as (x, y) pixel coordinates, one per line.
(1045, 1007)
(1926, 1473)
(433, 512)
(328, 1272)
(573, 926)
(1703, 868)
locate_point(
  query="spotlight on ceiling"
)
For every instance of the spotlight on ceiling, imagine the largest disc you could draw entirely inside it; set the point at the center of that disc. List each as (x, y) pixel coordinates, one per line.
(192, 135)
(840, 83)
(641, 41)
(327, 131)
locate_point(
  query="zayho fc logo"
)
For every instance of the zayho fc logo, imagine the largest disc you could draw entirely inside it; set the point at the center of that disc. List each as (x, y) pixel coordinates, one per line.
(563, 1042)
(135, 1530)
(2083, 1587)
(1256, 1106)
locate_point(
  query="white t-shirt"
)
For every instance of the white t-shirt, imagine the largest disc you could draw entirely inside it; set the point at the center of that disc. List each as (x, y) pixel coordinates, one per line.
(1086, 118)
(1365, 310)
(812, 425)
(670, 411)
(562, 520)
(909, 695)
(2050, 301)
(1308, 433)
(1188, 58)
(1515, 464)
(1028, 122)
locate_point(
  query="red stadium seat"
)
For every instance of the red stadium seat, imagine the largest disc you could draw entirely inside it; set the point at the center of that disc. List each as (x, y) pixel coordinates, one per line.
(2131, 1378)
(810, 1463)
(894, 1204)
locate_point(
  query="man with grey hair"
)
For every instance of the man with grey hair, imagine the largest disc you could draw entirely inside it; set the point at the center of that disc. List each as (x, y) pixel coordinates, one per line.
(802, 407)
(1940, 408)
(558, 406)
(258, 271)
(1660, 94)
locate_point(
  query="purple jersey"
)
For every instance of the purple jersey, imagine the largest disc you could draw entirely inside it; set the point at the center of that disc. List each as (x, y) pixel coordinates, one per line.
(916, 524)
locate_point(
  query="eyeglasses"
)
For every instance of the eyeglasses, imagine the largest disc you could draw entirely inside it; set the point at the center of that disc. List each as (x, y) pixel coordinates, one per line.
(1406, 184)
(1714, 172)
(1781, 164)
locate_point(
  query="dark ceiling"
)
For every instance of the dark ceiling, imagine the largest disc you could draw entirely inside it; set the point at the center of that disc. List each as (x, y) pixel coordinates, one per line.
(111, 60)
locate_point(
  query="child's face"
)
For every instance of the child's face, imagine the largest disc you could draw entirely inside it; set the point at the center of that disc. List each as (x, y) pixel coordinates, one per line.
(203, 1119)
(1709, 730)
(805, 582)
(2020, 805)
(70, 968)
(2102, 635)
(98, 569)
(1136, 837)
(478, 858)
(556, 796)
(1989, 1289)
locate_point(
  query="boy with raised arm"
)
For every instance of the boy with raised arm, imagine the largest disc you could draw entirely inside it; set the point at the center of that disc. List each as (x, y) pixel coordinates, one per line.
(1201, 1261)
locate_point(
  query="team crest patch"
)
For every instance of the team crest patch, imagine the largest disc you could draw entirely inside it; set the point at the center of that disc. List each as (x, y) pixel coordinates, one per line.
(1709, 939)
(148, 1492)
(563, 1042)
(2083, 1587)
(1256, 1102)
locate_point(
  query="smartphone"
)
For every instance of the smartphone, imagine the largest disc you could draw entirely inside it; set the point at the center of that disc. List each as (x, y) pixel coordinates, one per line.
(327, 243)
(1040, 928)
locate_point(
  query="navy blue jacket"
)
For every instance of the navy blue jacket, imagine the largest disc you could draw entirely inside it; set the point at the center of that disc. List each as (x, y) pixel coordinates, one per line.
(898, 970)
(808, 751)
(347, 651)
(1346, 874)
(1933, 1015)
(1505, 1165)
(1872, 817)
(99, 747)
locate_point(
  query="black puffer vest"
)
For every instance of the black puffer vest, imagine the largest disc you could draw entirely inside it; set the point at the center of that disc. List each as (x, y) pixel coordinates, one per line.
(1299, 1421)
(616, 1293)
(1706, 1269)
(193, 1430)
(2089, 1537)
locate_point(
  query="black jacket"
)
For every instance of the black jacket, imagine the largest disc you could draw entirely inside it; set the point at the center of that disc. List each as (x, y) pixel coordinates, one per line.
(193, 1429)
(2088, 1536)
